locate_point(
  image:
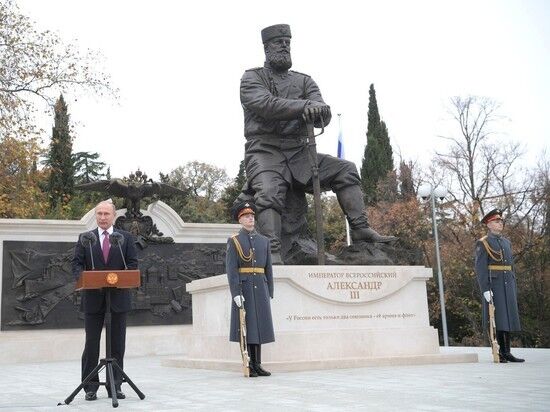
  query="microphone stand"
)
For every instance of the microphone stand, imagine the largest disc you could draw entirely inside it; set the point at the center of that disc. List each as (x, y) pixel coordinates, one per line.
(91, 254)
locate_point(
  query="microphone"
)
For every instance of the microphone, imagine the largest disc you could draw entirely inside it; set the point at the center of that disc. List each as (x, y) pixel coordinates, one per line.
(117, 239)
(91, 239)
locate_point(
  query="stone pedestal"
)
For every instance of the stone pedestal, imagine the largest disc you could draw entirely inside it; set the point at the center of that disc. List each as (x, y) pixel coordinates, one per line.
(324, 317)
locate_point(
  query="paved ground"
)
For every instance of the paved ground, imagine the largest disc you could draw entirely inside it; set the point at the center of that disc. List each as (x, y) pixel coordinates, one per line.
(482, 386)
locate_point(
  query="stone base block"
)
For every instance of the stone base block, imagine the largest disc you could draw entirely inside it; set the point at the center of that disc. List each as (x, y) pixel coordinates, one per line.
(324, 350)
(346, 363)
(64, 345)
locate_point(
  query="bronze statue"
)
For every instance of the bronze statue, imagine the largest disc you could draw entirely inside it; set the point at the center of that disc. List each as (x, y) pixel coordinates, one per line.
(277, 104)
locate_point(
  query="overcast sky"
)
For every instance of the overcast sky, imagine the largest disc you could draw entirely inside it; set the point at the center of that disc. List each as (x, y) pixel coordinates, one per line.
(178, 66)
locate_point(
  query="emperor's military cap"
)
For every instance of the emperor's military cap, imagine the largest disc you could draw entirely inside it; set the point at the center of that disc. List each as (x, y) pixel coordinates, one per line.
(243, 208)
(492, 215)
(277, 30)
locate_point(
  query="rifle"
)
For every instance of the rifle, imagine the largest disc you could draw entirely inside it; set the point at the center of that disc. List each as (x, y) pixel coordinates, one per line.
(312, 151)
(495, 347)
(493, 332)
(243, 343)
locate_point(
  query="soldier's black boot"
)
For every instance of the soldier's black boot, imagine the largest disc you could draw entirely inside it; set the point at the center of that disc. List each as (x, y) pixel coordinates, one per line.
(252, 354)
(501, 346)
(258, 365)
(509, 357)
(269, 225)
(351, 201)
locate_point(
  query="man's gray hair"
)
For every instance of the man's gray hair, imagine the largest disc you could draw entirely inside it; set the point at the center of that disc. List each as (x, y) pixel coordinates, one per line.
(107, 202)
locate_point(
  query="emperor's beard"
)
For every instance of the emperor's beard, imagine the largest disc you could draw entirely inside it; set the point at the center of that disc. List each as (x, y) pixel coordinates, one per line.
(279, 61)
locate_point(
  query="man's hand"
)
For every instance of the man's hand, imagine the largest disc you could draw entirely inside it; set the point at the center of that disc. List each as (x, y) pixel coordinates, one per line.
(488, 295)
(239, 300)
(315, 111)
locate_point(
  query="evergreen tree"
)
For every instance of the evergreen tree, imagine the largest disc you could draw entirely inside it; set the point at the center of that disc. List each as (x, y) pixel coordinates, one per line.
(378, 157)
(233, 190)
(387, 152)
(406, 179)
(370, 168)
(59, 158)
(87, 167)
(373, 115)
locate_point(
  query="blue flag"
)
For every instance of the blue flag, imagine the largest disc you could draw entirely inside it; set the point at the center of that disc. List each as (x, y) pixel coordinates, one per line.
(340, 145)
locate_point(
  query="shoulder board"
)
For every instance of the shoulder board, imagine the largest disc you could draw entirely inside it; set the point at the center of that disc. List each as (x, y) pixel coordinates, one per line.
(482, 239)
(303, 74)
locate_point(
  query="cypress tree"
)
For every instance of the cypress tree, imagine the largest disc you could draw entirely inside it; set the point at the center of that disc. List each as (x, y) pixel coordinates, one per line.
(406, 179)
(378, 156)
(59, 159)
(373, 115)
(233, 190)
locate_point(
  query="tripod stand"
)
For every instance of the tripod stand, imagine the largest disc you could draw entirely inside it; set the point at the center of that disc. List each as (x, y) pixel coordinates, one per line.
(108, 363)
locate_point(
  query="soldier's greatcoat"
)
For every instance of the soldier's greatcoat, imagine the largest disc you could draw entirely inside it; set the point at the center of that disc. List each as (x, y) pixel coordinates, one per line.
(257, 289)
(495, 271)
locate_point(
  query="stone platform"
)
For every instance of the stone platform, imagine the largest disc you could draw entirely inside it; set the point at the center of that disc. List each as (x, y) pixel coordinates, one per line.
(325, 317)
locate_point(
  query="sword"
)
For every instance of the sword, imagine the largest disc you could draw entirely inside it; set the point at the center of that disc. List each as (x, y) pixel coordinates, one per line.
(312, 151)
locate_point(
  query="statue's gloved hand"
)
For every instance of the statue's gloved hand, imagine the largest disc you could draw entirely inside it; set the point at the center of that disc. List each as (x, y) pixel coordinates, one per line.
(315, 111)
(239, 300)
(488, 295)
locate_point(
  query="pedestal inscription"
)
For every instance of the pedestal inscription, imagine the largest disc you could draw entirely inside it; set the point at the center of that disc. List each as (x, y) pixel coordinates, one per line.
(348, 285)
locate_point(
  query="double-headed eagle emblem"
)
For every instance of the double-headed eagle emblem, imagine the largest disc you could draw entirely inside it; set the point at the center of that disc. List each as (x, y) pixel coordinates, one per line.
(133, 189)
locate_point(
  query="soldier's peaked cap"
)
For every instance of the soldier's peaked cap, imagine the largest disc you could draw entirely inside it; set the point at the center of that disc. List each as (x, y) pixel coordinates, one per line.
(277, 30)
(492, 215)
(242, 208)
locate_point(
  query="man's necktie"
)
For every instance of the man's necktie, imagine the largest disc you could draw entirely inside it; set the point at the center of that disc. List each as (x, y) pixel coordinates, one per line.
(105, 246)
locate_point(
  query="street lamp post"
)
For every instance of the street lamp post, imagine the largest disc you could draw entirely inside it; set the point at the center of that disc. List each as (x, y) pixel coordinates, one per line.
(425, 192)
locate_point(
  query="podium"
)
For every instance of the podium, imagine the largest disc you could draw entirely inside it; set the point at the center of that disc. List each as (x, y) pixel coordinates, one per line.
(118, 279)
(108, 280)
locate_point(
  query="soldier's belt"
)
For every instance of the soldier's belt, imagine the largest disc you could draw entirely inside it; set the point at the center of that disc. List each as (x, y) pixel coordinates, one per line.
(500, 267)
(252, 271)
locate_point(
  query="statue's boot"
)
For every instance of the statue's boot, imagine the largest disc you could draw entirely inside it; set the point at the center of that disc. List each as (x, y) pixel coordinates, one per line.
(352, 204)
(269, 225)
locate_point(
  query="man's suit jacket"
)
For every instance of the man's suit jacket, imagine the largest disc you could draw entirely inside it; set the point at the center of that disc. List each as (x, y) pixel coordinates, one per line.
(93, 300)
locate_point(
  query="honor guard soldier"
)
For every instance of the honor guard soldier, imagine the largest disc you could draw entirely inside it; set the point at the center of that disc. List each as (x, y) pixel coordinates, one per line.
(250, 276)
(494, 266)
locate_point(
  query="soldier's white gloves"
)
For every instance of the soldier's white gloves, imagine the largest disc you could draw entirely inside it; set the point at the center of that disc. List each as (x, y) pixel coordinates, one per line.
(488, 295)
(239, 300)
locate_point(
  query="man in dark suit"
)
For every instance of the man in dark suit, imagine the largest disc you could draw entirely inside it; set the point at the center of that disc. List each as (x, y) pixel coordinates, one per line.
(105, 257)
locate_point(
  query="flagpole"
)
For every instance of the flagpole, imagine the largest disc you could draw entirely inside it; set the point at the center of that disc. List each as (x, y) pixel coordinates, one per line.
(341, 156)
